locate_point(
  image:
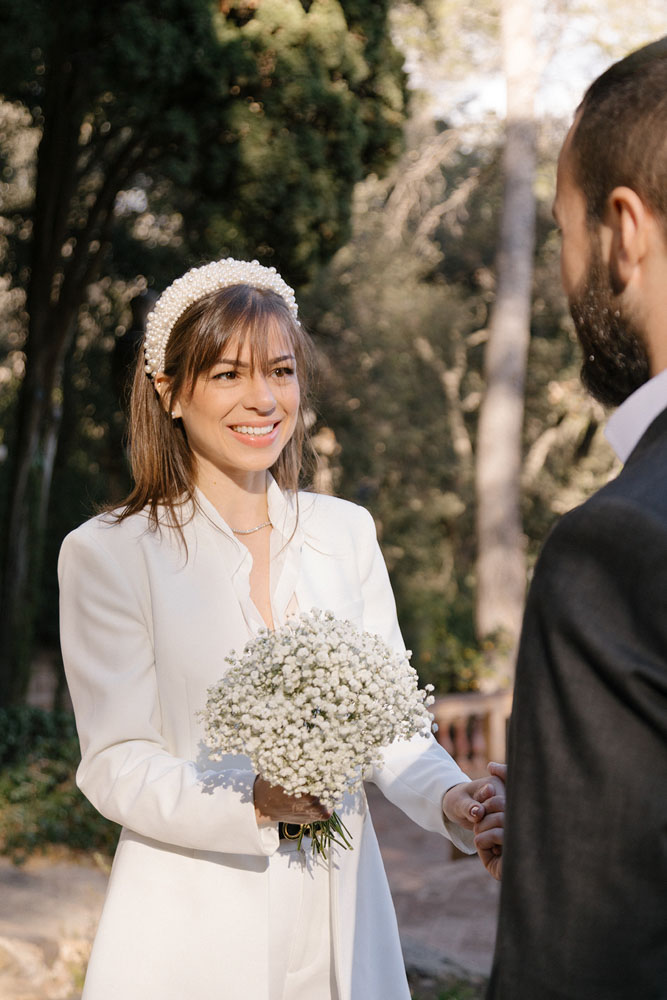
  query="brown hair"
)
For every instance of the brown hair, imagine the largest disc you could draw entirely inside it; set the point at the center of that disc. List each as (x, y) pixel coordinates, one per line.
(621, 135)
(163, 465)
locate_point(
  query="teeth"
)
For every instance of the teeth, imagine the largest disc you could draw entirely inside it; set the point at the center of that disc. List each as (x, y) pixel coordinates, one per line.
(257, 431)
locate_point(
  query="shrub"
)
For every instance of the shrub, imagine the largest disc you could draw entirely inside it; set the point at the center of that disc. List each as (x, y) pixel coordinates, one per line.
(40, 804)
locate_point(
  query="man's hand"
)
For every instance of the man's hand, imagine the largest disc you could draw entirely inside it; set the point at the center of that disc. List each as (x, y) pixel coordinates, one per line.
(489, 830)
(274, 805)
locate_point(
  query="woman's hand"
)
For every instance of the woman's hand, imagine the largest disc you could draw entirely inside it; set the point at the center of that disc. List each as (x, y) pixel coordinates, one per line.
(465, 804)
(274, 805)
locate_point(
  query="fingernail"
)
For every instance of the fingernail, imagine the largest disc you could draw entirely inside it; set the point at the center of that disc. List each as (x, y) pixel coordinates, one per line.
(475, 811)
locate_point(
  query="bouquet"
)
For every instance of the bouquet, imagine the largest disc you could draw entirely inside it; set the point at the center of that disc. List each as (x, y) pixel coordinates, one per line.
(312, 704)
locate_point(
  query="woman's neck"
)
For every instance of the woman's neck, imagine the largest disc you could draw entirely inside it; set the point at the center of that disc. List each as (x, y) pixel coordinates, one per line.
(240, 501)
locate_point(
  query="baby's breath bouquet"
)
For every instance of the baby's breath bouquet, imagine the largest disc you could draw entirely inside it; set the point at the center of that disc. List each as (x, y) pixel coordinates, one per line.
(312, 704)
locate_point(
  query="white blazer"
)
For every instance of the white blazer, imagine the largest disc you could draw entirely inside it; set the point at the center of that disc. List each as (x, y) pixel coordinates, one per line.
(144, 629)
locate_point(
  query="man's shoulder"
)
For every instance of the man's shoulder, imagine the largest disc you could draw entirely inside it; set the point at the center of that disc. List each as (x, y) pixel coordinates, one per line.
(623, 522)
(641, 485)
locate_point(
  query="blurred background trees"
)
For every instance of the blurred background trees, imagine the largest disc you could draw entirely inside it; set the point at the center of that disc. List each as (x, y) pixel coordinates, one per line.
(135, 143)
(161, 139)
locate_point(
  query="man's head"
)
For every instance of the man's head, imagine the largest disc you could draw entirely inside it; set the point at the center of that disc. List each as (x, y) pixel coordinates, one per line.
(611, 205)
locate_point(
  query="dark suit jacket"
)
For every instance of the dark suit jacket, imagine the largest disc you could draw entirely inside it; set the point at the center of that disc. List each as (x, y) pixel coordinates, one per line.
(583, 912)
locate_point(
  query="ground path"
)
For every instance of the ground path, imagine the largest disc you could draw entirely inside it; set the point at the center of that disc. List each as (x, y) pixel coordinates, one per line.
(446, 911)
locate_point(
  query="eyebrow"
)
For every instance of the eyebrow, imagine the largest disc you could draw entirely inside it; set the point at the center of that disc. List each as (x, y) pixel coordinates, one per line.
(244, 364)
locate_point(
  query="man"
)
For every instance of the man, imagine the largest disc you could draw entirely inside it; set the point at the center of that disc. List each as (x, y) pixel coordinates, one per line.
(583, 912)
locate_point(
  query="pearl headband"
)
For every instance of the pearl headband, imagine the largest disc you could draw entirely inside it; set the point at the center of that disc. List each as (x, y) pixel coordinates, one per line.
(196, 283)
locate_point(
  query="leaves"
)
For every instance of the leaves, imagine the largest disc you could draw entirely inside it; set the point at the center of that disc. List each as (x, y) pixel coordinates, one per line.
(40, 804)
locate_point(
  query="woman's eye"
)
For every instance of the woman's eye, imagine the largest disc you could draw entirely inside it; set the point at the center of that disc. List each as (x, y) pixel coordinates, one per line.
(283, 372)
(228, 376)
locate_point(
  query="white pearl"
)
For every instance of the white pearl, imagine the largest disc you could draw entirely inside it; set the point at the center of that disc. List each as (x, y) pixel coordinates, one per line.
(193, 285)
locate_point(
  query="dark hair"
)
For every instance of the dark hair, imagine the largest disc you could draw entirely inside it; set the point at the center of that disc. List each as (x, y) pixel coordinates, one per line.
(621, 135)
(163, 465)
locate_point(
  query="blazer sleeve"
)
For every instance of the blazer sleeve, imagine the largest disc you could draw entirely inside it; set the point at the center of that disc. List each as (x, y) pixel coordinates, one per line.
(413, 774)
(126, 770)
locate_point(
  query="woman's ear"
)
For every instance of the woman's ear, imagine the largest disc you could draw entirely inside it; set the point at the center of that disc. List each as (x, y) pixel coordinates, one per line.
(163, 388)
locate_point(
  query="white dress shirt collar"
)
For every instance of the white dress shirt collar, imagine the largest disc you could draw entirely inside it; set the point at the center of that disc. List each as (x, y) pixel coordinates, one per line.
(627, 426)
(285, 553)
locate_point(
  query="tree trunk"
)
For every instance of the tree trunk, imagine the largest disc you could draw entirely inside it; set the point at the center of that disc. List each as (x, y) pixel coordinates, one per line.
(35, 447)
(55, 293)
(501, 572)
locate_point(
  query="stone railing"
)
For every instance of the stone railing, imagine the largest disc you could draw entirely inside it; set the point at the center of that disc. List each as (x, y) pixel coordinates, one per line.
(473, 728)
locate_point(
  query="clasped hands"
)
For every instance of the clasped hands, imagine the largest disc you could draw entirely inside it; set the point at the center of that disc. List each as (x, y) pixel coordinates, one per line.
(477, 805)
(480, 806)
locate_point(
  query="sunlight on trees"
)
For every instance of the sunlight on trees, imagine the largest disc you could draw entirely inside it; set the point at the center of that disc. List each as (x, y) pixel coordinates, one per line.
(278, 130)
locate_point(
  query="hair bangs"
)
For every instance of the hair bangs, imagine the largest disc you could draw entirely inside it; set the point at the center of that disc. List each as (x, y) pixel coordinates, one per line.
(221, 324)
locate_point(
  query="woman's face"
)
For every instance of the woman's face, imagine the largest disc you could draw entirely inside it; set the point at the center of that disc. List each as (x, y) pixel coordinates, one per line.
(238, 420)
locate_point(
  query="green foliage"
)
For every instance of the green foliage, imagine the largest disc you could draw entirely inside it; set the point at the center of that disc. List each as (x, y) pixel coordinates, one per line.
(40, 805)
(160, 136)
(399, 317)
(319, 101)
(259, 120)
(389, 326)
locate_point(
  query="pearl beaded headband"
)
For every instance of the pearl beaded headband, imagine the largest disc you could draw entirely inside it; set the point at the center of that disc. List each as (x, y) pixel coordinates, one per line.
(196, 283)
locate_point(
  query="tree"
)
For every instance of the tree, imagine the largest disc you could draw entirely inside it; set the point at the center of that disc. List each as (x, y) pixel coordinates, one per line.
(182, 107)
(501, 569)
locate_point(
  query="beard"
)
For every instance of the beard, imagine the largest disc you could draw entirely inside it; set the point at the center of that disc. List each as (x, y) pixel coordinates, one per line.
(615, 361)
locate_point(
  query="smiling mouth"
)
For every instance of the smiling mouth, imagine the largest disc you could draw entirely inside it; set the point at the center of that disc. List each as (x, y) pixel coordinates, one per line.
(253, 431)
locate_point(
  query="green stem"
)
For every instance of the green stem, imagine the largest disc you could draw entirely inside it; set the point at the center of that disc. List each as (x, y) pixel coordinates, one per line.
(327, 832)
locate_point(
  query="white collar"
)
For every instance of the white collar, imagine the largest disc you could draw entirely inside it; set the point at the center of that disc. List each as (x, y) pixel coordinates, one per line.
(626, 427)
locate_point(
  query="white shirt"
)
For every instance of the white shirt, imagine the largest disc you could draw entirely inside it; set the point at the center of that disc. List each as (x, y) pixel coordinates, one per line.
(285, 548)
(633, 417)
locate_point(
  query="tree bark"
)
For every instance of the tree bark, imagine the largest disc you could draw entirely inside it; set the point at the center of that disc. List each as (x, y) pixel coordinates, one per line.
(501, 571)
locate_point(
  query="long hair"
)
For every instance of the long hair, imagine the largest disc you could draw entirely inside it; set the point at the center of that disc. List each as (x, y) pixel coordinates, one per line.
(621, 136)
(163, 465)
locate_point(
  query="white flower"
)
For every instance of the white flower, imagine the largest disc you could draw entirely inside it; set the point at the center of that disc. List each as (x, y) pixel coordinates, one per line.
(313, 704)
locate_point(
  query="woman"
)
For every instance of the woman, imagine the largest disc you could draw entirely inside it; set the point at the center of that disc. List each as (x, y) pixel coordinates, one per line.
(207, 898)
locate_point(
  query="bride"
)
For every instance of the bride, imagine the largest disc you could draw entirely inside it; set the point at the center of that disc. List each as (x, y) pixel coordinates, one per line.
(208, 896)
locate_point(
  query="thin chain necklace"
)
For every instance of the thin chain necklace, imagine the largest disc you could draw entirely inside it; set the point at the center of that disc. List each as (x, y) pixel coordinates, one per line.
(251, 531)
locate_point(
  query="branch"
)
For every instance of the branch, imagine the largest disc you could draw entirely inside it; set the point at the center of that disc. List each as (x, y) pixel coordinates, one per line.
(450, 379)
(449, 207)
(126, 161)
(406, 191)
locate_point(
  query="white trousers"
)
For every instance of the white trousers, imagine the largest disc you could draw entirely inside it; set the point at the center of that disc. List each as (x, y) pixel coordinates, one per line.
(301, 954)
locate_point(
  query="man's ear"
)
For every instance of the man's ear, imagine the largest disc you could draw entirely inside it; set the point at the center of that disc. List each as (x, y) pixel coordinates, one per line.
(162, 385)
(627, 221)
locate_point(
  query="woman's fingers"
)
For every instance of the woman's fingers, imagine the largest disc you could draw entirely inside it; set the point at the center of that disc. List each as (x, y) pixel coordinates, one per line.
(274, 804)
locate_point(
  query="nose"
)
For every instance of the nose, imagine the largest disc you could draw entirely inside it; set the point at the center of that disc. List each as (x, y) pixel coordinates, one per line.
(260, 395)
